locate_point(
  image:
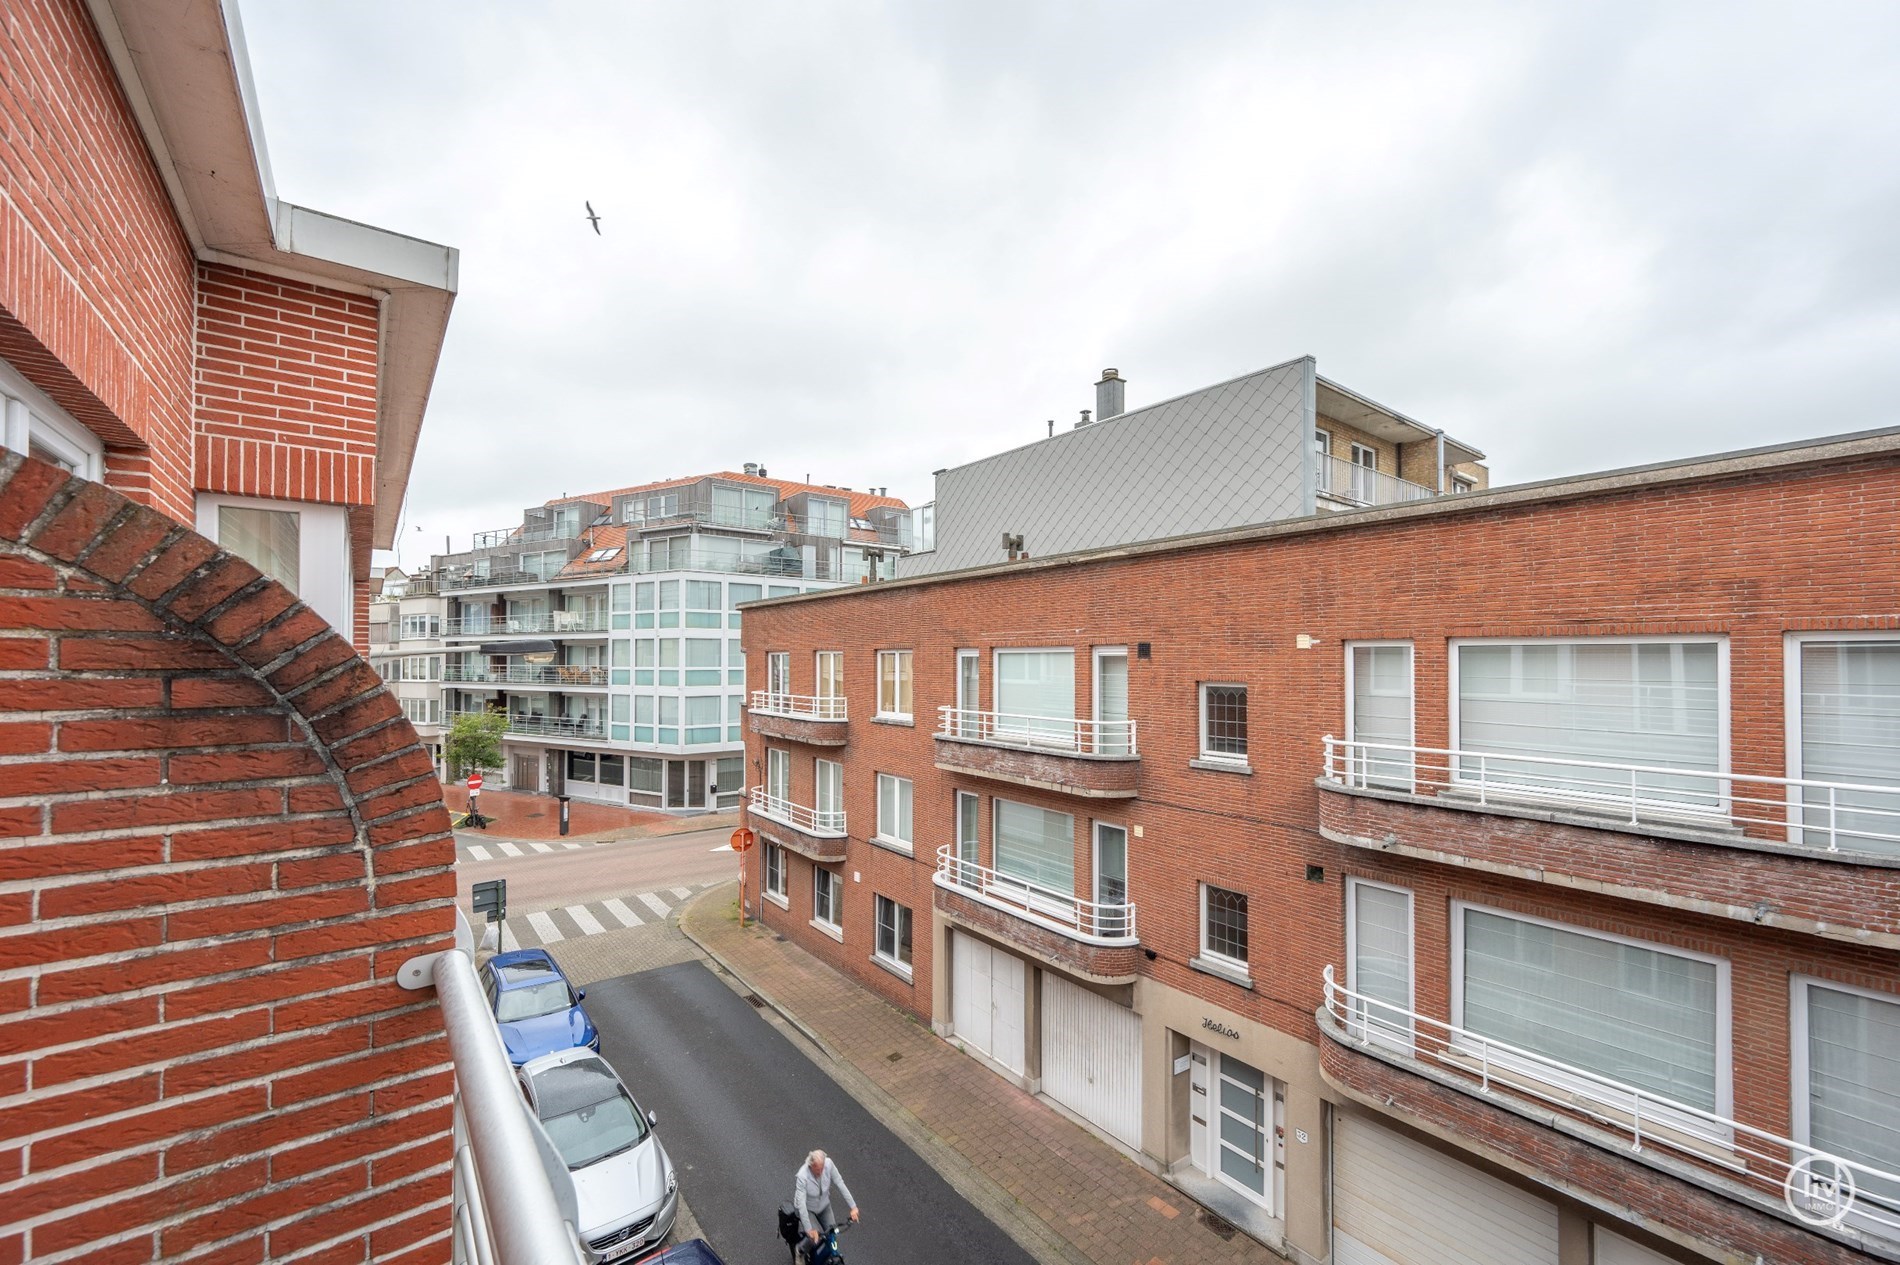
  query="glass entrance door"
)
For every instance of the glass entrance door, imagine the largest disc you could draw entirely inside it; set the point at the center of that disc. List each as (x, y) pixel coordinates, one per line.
(676, 784)
(1245, 1107)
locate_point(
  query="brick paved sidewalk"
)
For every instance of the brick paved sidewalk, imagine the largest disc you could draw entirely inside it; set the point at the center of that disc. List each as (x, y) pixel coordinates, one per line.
(1061, 1191)
(519, 817)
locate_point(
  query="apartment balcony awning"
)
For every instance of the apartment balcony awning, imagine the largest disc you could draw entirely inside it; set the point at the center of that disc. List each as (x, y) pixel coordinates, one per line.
(516, 647)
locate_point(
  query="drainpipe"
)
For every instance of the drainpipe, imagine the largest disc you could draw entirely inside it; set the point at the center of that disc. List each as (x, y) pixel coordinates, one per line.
(1441, 460)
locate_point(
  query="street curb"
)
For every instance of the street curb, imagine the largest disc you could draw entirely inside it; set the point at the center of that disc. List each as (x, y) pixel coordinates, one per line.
(1029, 1231)
(792, 1020)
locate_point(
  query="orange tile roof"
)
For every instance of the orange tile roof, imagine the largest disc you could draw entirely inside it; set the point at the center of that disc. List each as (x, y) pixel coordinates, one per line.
(609, 536)
(860, 501)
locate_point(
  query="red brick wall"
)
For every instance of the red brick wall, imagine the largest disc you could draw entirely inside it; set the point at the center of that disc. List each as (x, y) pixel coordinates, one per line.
(218, 842)
(286, 389)
(97, 282)
(1752, 557)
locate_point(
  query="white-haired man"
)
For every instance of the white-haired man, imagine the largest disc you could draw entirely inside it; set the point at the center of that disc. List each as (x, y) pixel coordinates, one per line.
(811, 1195)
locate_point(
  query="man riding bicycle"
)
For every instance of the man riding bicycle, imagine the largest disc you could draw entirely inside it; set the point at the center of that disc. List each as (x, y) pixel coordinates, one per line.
(811, 1196)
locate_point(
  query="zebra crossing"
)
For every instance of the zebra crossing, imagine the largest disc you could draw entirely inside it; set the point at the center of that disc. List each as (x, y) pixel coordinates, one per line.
(573, 922)
(502, 848)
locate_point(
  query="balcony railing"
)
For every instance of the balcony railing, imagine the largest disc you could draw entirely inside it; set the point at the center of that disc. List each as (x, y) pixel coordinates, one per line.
(1818, 1188)
(1056, 735)
(502, 537)
(1824, 818)
(1061, 912)
(1344, 480)
(553, 675)
(793, 568)
(798, 706)
(492, 580)
(555, 622)
(589, 727)
(813, 821)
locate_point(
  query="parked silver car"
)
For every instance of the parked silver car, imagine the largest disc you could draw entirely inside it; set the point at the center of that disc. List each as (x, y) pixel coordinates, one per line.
(624, 1183)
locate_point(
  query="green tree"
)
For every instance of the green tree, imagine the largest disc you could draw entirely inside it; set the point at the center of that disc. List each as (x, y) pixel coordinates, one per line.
(474, 742)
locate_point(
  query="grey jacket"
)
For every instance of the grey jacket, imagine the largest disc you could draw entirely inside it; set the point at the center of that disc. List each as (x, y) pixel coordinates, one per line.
(813, 1194)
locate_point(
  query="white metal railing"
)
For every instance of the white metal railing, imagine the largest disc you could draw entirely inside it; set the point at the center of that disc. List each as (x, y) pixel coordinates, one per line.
(1818, 1188)
(1821, 817)
(1344, 480)
(1040, 733)
(813, 821)
(798, 706)
(504, 1210)
(553, 675)
(1110, 923)
(493, 580)
(505, 625)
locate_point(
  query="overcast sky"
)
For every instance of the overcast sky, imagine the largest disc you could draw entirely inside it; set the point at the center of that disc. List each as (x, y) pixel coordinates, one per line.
(867, 241)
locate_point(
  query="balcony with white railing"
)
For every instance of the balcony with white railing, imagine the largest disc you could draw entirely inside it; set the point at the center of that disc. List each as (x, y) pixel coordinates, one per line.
(549, 623)
(1844, 1199)
(817, 833)
(1093, 938)
(1349, 483)
(552, 676)
(529, 725)
(1790, 852)
(818, 721)
(1091, 758)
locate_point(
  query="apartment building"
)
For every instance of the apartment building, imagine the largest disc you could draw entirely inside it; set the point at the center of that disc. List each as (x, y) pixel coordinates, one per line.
(1282, 442)
(1536, 906)
(219, 840)
(606, 627)
(406, 648)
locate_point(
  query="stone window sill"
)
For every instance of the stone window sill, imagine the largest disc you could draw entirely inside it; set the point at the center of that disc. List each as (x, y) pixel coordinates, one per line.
(1228, 971)
(778, 900)
(1221, 766)
(892, 845)
(883, 718)
(895, 968)
(825, 928)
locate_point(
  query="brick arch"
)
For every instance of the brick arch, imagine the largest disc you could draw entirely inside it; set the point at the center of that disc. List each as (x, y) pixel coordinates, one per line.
(219, 839)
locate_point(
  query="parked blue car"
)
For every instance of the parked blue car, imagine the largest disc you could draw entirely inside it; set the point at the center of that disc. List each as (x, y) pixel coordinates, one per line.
(535, 1007)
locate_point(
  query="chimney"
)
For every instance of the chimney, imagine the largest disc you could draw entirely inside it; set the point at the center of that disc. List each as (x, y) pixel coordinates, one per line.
(752, 468)
(1108, 395)
(1085, 420)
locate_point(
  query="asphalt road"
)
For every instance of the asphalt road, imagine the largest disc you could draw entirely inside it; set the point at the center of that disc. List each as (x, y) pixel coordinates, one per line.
(566, 877)
(739, 1107)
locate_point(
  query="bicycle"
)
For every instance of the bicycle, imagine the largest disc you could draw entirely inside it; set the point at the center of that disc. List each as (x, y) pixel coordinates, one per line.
(826, 1251)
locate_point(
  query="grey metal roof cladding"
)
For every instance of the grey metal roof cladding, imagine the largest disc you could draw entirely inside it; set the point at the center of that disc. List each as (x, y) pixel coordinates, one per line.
(1228, 455)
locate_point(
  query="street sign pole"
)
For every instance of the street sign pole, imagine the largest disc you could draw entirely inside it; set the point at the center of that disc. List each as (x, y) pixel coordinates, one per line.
(742, 841)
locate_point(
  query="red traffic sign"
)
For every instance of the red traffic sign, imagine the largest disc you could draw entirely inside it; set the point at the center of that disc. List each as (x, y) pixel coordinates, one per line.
(474, 783)
(743, 839)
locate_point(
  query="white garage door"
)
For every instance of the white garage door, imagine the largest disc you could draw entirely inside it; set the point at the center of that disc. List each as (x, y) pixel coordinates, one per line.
(1614, 1249)
(1398, 1202)
(986, 1000)
(1091, 1057)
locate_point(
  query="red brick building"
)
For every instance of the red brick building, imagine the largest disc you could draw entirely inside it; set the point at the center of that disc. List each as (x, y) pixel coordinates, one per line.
(218, 839)
(1512, 877)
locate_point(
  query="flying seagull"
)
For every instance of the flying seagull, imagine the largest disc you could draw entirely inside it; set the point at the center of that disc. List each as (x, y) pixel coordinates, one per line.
(593, 218)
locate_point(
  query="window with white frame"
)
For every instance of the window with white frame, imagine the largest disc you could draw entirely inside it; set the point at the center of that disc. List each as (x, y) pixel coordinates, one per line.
(1658, 703)
(1113, 732)
(1224, 723)
(778, 672)
(1640, 1014)
(775, 871)
(1379, 960)
(1848, 717)
(31, 423)
(422, 711)
(893, 810)
(827, 898)
(1035, 695)
(1845, 1053)
(421, 627)
(1379, 715)
(778, 775)
(1111, 879)
(270, 540)
(830, 779)
(893, 934)
(893, 684)
(969, 813)
(1460, 484)
(830, 667)
(1224, 926)
(1035, 846)
(1323, 460)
